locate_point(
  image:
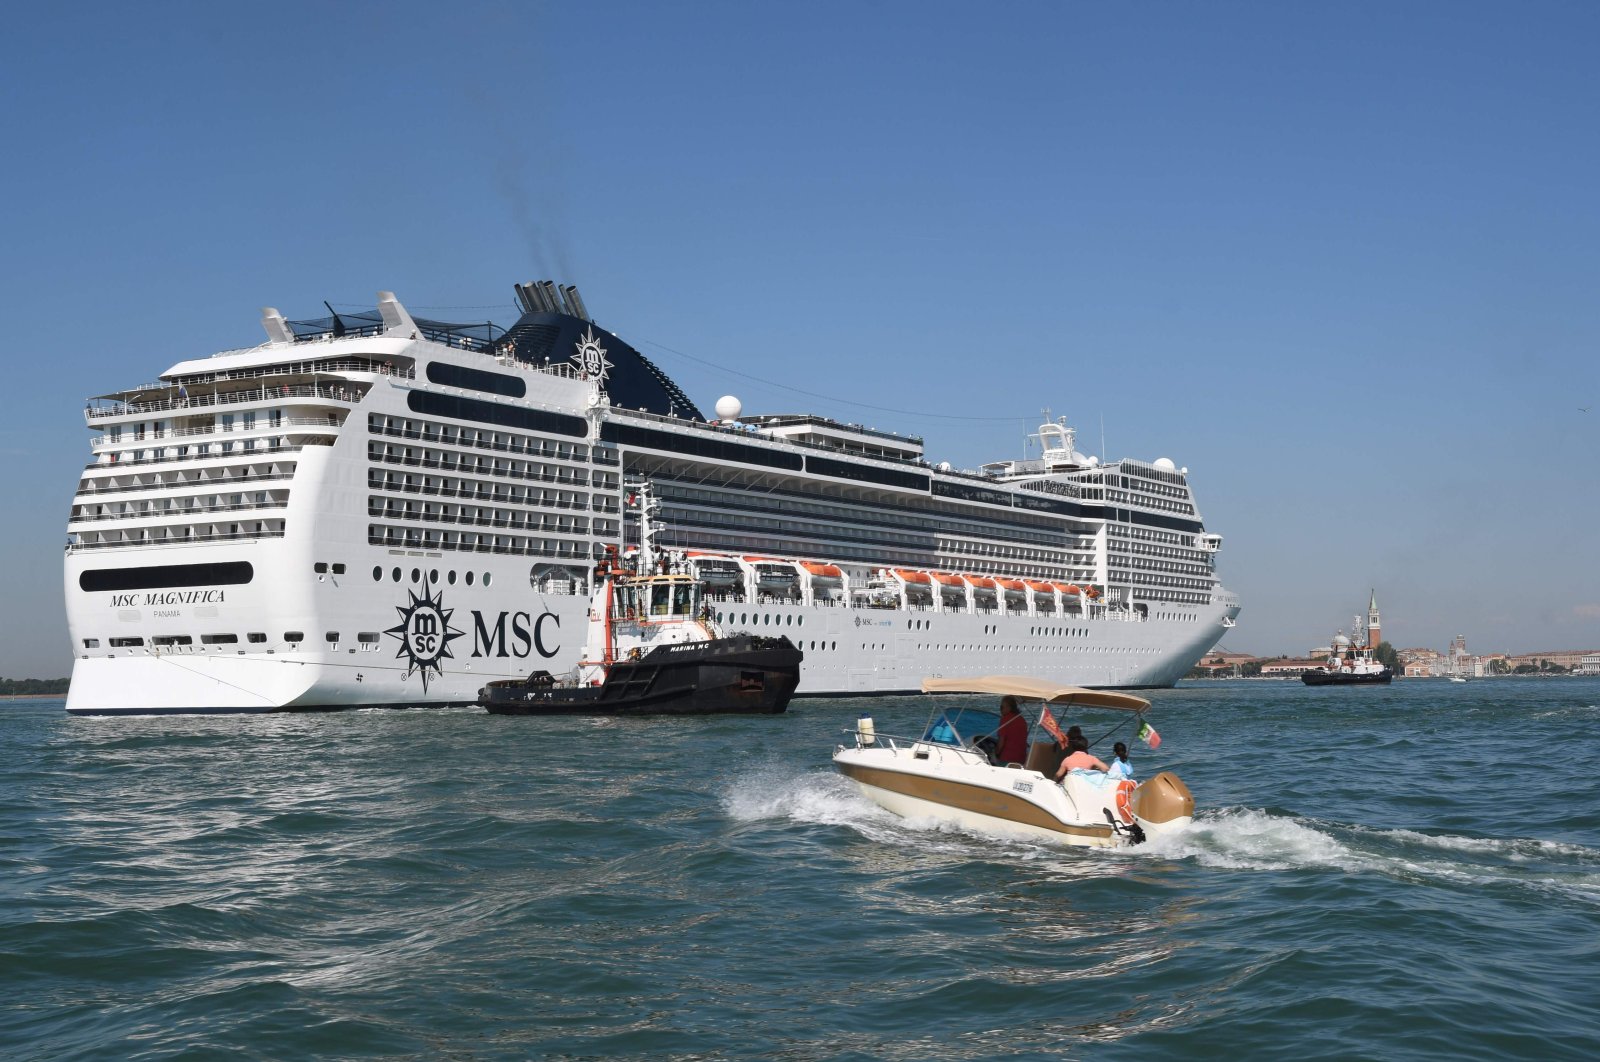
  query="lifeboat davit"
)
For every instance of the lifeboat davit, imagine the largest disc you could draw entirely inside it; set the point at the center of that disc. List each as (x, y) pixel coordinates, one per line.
(780, 578)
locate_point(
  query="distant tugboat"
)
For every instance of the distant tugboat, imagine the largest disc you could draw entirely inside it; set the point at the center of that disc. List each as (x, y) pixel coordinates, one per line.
(652, 649)
(1349, 662)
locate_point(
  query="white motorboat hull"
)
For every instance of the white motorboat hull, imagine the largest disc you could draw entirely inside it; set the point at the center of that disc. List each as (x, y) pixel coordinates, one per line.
(959, 786)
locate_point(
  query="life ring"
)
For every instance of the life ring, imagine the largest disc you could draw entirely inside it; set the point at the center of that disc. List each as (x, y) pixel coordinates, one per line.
(1125, 790)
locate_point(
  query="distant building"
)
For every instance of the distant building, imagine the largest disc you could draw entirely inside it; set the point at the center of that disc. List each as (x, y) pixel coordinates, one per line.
(1566, 658)
(1283, 668)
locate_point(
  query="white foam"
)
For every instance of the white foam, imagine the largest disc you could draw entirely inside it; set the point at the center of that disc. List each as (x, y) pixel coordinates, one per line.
(817, 797)
(1245, 839)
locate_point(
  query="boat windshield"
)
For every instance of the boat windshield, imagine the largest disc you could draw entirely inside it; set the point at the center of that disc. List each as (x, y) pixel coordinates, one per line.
(960, 726)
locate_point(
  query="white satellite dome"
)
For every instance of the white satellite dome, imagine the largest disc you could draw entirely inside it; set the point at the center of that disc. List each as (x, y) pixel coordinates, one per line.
(1166, 464)
(729, 408)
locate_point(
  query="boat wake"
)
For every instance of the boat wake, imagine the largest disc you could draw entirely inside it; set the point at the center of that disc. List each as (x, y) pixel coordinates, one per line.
(816, 798)
(1249, 839)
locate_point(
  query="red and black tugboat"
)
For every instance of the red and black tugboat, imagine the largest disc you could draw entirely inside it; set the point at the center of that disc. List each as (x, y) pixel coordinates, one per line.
(653, 649)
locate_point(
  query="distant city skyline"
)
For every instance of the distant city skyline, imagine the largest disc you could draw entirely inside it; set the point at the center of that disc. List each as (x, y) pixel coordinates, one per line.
(1339, 261)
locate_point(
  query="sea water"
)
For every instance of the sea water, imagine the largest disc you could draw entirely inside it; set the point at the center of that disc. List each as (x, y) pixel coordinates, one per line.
(1401, 873)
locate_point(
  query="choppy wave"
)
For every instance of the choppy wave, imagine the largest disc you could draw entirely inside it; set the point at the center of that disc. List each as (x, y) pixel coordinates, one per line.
(451, 884)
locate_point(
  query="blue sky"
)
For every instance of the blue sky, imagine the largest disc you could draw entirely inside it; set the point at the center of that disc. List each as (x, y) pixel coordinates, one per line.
(1339, 260)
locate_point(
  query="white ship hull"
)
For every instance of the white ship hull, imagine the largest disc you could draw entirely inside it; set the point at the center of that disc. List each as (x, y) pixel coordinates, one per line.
(382, 552)
(508, 633)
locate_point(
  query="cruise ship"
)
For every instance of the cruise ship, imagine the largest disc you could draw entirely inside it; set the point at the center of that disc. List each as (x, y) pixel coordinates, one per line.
(375, 509)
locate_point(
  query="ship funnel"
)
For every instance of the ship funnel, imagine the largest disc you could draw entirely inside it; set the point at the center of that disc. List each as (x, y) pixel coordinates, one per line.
(577, 301)
(574, 302)
(552, 301)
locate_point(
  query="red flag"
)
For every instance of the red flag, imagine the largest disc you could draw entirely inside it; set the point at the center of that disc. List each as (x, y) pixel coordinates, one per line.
(1048, 721)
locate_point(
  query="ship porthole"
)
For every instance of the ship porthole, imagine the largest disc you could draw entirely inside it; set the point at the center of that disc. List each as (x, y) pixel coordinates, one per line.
(450, 577)
(433, 575)
(396, 574)
(377, 573)
(469, 578)
(416, 575)
(487, 576)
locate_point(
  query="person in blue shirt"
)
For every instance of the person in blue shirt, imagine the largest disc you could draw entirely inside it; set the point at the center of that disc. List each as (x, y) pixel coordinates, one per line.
(1120, 767)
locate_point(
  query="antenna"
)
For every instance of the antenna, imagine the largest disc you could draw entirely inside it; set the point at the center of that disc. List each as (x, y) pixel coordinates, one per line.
(1105, 455)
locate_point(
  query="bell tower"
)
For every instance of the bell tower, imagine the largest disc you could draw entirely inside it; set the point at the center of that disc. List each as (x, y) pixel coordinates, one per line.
(1373, 623)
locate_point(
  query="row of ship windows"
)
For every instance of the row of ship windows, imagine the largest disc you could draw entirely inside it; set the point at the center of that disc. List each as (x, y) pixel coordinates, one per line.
(254, 638)
(782, 536)
(1127, 498)
(1193, 556)
(445, 487)
(191, 533)
(449, 461)
(517, 519)
(227, 477)
(215, 503)
(1151, 534)
(471, 542)
(503, 442)
(900, 518)
(395, 574)
(274, 445)
(226, 422)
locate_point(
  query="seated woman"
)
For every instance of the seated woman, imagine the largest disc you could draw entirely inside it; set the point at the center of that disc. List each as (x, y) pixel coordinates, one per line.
(1078, 757)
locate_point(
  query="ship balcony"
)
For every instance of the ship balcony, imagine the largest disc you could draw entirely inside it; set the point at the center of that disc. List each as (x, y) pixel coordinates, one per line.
(113, 460)
(156, 516)
(141, 539)
(149, 437)
(342, 395)
(247, 480)
(318, 367)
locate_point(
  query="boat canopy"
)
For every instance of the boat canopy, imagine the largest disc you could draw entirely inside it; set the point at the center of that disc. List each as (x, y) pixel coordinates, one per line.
(1035, 689)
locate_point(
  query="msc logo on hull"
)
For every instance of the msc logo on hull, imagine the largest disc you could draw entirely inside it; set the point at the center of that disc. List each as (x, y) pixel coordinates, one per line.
(528, 635)
(425, 635)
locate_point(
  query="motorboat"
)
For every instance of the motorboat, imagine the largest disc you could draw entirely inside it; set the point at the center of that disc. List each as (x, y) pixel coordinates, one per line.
(952, 772)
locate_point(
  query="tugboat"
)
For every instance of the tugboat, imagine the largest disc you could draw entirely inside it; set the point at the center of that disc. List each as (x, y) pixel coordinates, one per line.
(653, 649)
(1351, 663)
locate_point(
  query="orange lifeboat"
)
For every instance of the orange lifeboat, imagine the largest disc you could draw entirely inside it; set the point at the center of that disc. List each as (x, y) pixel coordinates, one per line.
(979, 582)
(1013, 589)
(949, 584)
(1066, 588)
(822, 570)
(908, 576)
(1039, 587)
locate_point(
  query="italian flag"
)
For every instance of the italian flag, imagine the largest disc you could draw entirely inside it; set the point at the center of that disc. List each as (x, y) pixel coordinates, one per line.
(1148, 735)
